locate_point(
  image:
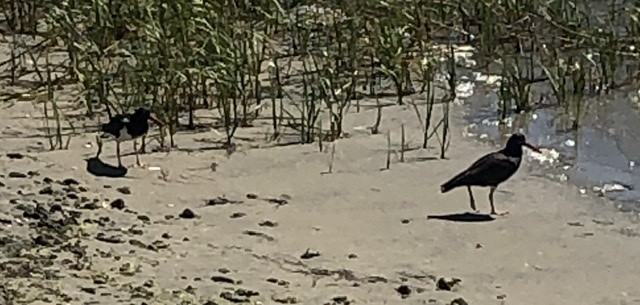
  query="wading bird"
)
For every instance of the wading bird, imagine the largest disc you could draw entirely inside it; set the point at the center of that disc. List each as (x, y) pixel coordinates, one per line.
(491, 170)
(125, 127)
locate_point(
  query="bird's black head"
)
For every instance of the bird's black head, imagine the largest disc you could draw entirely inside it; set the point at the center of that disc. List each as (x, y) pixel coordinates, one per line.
(142, 112)
(516, 139)
(146, 114)
(515, 143)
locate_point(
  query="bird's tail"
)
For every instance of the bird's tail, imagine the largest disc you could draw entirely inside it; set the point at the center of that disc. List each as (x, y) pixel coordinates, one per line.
(107, 130)
(105, 127)
(452, 183)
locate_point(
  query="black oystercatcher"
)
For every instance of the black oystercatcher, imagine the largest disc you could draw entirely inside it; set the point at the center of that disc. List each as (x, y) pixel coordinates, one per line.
(125, 127)
(491, 170)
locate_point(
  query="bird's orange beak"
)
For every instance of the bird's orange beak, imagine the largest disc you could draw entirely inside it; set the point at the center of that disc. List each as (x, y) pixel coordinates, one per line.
(533, 147)
(155, 119)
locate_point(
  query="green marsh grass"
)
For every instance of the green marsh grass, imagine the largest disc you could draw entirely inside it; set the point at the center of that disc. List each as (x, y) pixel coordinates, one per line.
(308, 60)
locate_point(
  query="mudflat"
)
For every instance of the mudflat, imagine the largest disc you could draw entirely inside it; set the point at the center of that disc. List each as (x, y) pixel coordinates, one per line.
(272, 225)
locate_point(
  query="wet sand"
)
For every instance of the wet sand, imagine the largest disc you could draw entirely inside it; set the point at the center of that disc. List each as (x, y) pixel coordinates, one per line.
(271, 226)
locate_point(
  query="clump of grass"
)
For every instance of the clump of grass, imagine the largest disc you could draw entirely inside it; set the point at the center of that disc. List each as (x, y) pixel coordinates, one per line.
(388, 160)
(427, 72)
(181, 56)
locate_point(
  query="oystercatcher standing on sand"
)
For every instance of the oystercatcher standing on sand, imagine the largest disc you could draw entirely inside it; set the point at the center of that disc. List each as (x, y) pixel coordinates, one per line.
(491, 170)
(125, 127)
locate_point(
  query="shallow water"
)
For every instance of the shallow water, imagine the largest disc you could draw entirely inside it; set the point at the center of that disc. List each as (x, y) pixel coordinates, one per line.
(601, 156)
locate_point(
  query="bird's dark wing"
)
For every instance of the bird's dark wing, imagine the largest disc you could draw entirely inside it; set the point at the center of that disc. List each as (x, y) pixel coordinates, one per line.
(116, 123)
(463, 178)
(491, 169)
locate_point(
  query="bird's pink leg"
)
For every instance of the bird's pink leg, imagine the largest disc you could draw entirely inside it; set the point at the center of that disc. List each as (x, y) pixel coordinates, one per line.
(135, 149)
(143, 146)
(493, 208)
(472, 201)
(118, 154)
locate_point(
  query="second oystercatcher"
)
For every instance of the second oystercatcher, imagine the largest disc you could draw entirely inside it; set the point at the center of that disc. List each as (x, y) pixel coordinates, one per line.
(491, 170)
(125, 127)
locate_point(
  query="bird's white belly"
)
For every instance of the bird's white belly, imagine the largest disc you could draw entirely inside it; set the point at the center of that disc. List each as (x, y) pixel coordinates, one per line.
(124, 136)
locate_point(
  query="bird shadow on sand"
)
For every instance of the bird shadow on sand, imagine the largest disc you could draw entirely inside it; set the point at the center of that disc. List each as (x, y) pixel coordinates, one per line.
(96, 167)
(463, 217)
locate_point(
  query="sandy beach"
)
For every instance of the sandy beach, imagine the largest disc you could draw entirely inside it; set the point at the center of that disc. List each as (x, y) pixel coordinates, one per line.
(271, 226)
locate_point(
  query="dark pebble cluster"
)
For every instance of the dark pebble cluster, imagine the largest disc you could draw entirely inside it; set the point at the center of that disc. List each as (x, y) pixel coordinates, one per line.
(55, 230)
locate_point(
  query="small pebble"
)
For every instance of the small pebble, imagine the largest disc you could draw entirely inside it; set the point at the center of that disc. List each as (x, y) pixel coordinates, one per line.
(47, 190)
(117, 204)
(447, 284)
(55, 208)
(268, 223)
(252, 196)
(69, 182)
(89, 290)
(404, 291)
(237, 215)
(308, 254)
(15, 155)
(124, 190)
(187, 214)
(459, 301)
(17, 175)
(222, 279)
